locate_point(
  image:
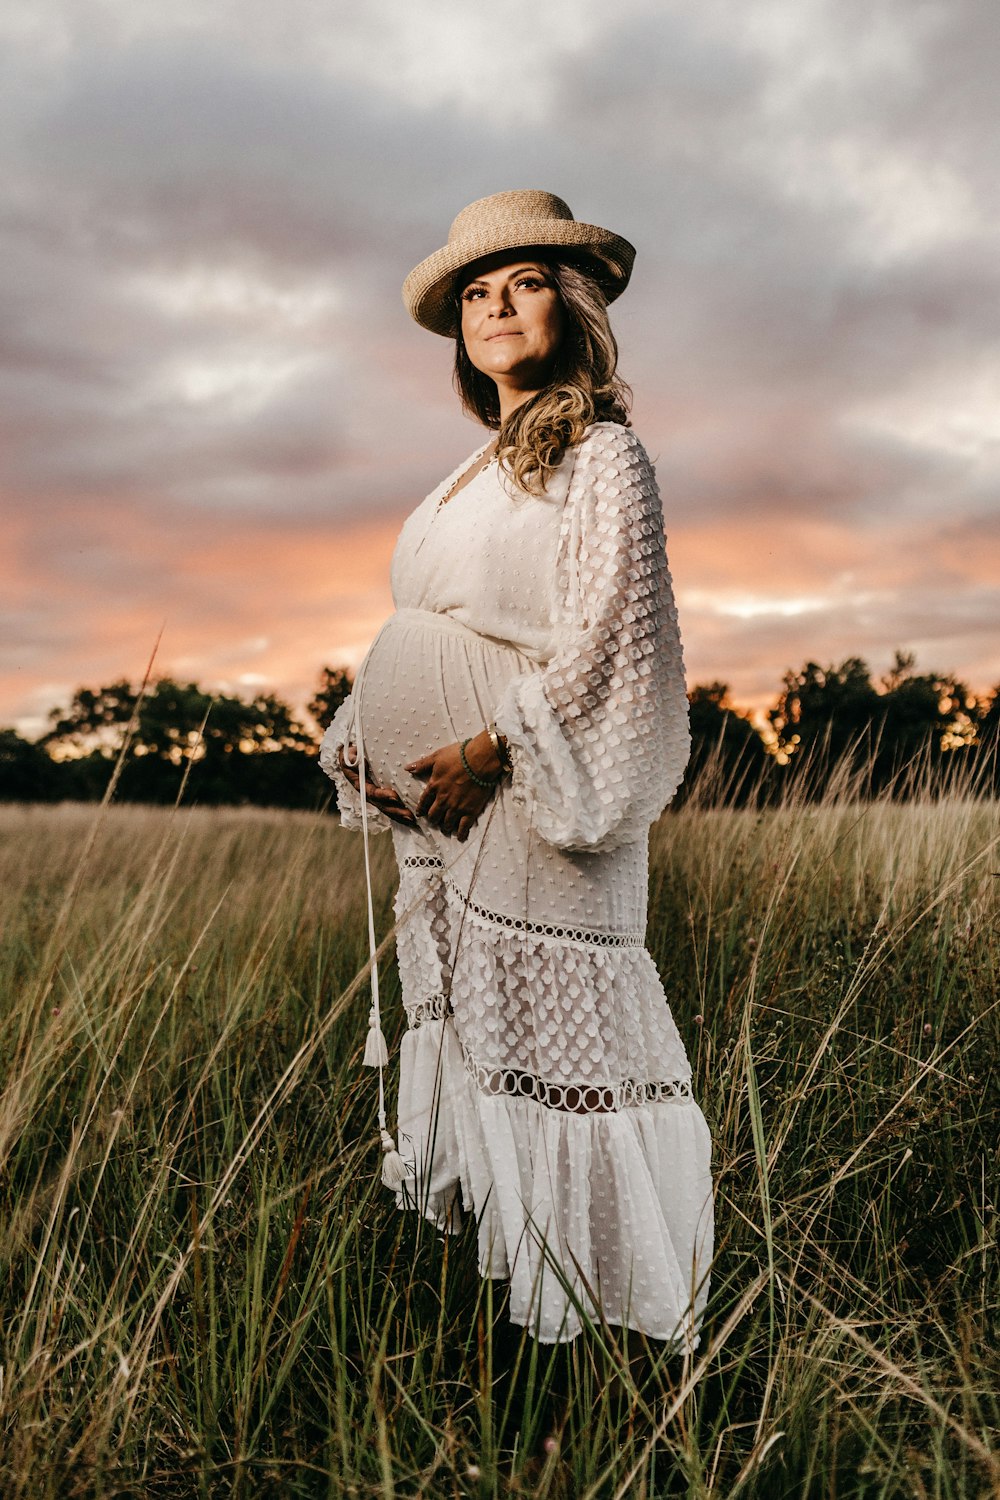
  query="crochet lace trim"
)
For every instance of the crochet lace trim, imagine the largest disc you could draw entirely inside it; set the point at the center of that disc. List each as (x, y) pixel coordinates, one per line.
(579, 1098)
(555, 931)
(431, 1008)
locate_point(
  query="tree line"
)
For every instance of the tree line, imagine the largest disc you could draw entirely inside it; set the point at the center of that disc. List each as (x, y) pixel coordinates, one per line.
(176, 741)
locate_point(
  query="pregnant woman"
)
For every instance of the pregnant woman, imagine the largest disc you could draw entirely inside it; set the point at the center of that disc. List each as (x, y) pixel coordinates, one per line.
(518, 723)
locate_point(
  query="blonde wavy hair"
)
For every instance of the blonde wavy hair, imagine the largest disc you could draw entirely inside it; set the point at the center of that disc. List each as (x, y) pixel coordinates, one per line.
(584, 386)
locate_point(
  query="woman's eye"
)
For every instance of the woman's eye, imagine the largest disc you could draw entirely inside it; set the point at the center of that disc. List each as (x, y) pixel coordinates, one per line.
(529, 281)
(472, 292)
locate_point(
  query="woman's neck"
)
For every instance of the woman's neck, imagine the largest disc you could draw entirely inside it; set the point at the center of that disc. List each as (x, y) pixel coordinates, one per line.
(511, 399)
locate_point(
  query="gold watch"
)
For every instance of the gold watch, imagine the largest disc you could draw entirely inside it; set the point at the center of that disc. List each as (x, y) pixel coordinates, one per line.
(501, 748)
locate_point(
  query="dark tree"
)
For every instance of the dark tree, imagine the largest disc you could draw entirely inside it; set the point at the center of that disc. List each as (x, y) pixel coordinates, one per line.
(729, 763)
(334, 688)
(835, 720)
(95, 720)
(911, 732)
(824, 710)
(986, 752)
(220, 741)
(26, 772)
(928, 720)
(989, 718)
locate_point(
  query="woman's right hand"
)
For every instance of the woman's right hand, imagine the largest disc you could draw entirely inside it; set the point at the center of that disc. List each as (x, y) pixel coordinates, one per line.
(385, 798)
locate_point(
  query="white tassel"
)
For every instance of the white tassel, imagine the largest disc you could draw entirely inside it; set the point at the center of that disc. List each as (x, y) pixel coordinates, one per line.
(395, 1170)
(376, 1051)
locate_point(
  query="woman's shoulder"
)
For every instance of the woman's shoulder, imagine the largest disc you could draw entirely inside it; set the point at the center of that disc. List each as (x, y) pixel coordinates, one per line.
(615, 445)
(607, 436)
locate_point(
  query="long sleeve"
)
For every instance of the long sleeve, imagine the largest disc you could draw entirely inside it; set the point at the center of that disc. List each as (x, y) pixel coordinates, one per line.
(348, 800)
(600, 734)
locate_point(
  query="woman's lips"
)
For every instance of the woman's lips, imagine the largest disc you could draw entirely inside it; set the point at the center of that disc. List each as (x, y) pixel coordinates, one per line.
(511, 335)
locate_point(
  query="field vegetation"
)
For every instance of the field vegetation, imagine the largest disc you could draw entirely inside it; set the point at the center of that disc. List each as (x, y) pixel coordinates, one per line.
(204, 1290)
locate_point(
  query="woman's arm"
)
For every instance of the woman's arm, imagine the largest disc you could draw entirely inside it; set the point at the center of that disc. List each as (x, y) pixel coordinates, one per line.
(600, 736)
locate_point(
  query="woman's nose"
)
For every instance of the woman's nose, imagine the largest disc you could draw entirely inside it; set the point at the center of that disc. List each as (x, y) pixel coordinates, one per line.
(499, 303)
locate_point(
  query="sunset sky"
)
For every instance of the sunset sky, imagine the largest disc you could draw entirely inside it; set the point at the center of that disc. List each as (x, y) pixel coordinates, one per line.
(216, 412)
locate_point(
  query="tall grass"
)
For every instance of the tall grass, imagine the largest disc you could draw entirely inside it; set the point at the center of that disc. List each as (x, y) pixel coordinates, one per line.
(205, 1291)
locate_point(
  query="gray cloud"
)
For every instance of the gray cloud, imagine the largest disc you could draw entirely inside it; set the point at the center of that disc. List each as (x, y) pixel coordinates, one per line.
(208, 214)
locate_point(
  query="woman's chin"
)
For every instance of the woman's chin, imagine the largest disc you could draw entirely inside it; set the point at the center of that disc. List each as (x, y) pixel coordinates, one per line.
(502, 361)
(524, 374)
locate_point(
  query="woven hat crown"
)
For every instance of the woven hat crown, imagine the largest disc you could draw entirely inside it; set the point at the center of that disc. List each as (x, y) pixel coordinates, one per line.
(527, 218)
(503, 209)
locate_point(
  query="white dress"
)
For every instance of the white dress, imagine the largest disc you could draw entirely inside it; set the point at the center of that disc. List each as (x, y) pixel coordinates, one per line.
(543, 1085)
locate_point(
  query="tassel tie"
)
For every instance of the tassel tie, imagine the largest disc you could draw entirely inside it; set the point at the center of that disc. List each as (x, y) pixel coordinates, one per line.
(395, 1171)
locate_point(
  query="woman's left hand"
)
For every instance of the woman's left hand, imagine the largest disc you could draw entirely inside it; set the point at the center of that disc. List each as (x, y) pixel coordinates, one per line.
(452, 801)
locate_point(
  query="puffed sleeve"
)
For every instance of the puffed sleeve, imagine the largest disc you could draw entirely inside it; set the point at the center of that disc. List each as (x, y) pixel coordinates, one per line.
(599, 734)
(339, 733)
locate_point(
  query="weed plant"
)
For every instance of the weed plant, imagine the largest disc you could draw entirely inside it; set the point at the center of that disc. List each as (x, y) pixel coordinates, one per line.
(205, 1291)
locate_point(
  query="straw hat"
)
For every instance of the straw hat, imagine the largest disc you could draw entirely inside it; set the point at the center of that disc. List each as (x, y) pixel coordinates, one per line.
(510, 221)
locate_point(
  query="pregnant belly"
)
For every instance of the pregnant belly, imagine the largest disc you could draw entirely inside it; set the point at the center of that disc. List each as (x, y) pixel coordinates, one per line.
(427, 681)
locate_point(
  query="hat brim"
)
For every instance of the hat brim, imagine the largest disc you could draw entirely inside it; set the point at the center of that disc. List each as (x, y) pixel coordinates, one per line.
(428, 290)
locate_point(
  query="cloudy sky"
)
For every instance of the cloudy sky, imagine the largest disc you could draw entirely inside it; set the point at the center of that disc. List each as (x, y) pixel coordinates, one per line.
(215, 412)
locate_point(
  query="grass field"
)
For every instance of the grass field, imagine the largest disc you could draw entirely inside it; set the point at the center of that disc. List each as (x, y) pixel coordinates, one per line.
(204, 1291)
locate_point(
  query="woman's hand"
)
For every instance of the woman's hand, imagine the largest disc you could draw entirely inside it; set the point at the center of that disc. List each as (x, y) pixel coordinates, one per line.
(452, 801)
(385, 798)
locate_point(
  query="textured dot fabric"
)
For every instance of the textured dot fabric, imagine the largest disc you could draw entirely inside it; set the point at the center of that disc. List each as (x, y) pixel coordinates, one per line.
(543, 1087)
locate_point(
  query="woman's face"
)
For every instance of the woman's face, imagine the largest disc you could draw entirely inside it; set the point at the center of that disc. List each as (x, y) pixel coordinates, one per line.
(512, 319)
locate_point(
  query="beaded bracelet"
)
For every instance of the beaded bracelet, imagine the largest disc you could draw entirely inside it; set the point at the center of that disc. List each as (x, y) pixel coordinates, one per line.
(486, 785)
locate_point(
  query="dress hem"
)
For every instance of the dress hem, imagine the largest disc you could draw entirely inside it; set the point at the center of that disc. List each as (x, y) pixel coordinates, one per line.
(594, 1211)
